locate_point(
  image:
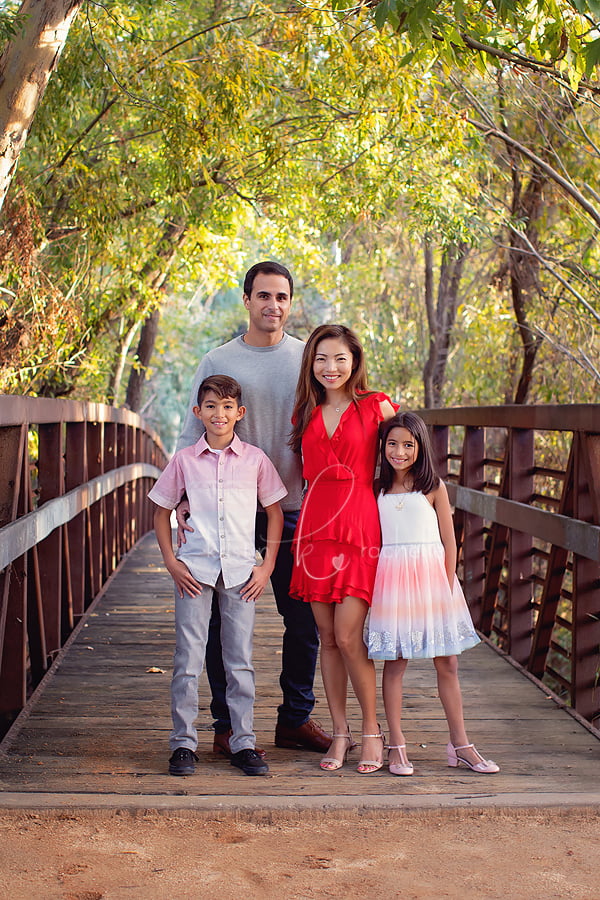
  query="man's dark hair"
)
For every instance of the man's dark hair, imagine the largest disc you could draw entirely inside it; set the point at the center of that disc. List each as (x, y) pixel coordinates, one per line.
(223, 386)
(267, 267)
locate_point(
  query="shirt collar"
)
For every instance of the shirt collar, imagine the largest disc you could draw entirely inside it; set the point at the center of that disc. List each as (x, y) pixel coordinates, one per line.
(202, 447)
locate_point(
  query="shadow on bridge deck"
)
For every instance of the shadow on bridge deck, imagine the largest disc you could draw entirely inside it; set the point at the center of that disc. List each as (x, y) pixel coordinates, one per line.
(95, 734)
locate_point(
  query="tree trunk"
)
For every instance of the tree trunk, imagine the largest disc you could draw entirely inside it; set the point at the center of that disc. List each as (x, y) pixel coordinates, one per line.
(441, 318)
(432, 324)
(28, 60)
(155, 271)
(143, 355)
(120, 360)
(524, 274)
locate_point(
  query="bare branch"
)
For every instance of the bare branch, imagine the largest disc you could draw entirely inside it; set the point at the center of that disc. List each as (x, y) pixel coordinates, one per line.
(568, 186)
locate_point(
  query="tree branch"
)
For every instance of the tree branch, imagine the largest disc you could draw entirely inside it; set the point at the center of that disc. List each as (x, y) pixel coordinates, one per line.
(567, 186)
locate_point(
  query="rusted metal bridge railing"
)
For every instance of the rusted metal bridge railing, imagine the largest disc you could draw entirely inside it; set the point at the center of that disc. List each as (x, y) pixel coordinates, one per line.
(525, 483)
(73, 484)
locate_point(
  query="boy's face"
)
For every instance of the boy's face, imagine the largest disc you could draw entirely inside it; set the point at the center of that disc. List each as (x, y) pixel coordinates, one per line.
(219, 415)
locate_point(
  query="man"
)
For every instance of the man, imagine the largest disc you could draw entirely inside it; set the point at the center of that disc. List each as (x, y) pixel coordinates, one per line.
(266, 361)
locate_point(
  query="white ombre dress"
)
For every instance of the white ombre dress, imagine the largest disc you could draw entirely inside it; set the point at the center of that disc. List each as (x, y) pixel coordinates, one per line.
(414, 614)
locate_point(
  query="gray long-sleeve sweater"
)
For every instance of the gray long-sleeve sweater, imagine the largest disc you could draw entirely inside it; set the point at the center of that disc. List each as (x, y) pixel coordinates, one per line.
(268, 376)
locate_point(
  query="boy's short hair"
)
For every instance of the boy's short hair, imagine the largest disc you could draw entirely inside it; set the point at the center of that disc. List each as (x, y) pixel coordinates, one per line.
(221, 385)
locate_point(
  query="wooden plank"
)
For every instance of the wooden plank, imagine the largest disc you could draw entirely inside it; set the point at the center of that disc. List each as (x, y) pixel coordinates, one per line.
(544, 417)
(572, 534)
(100, 723)
(15, 409)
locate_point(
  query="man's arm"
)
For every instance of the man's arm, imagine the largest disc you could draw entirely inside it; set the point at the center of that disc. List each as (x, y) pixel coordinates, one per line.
(261, 574)
(179, 572)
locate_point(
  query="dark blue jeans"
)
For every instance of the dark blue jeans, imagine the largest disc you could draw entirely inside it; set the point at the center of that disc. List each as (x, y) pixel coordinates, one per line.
(300, 640)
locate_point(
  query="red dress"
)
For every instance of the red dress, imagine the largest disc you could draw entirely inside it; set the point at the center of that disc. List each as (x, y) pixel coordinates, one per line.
(338, 536)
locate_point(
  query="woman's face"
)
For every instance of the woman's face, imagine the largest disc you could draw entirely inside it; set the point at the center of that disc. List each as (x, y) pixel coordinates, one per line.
(333, 363)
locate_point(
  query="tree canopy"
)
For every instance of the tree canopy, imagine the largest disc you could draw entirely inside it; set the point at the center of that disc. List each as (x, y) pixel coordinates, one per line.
(426, 171)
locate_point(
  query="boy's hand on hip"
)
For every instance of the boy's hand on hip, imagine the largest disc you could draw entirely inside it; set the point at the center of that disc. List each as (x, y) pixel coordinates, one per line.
(182, 514)
(184, 580)
(255, 584)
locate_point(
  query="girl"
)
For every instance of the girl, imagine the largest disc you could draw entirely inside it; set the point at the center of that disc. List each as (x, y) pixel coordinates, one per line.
(335, 427)
(418, 610)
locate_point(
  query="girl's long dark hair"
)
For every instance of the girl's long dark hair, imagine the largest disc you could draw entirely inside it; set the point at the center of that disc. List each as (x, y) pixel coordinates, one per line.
(309, 393)
(425, 478)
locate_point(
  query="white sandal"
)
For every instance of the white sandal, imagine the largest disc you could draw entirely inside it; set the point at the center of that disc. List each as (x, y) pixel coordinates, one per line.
(482, 766)
(332, 763)
(373, 764)
(404, 767)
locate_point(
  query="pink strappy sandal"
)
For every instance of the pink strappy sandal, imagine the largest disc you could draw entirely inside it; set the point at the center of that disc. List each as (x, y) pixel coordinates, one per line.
(482, 766)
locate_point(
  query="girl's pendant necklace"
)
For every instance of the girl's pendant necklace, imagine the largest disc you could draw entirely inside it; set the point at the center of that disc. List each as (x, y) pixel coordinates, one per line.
(401, 502)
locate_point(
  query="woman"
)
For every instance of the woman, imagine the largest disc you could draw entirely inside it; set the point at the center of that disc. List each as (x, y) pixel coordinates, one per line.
(335, 427)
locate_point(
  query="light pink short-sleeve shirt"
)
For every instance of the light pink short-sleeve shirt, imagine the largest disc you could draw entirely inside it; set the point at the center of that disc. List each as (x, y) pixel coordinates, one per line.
(222, 489)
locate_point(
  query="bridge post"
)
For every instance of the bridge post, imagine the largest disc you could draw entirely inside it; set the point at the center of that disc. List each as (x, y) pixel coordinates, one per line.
(76, 474)
(585, 651)
(473, 535)
(439, 444)
(51, 484)
(520, 546)
(14, 501)
(95, 456)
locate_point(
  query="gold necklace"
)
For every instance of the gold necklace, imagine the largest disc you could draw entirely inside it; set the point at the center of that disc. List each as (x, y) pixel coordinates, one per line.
(339, 408)
(401, 503)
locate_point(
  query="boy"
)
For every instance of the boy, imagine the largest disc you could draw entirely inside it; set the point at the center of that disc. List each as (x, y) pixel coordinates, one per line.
(222, 477)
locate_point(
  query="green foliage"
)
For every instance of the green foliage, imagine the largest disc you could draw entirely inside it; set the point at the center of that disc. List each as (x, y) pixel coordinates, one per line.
(552, 36)
(174, 148)
(11, 23)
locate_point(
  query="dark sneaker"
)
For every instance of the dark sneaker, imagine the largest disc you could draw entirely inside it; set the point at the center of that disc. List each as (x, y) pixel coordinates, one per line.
(249, 762)
(182, 762)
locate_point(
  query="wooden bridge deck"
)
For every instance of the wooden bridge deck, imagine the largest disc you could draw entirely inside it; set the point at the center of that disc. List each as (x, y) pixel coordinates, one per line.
(95, 734)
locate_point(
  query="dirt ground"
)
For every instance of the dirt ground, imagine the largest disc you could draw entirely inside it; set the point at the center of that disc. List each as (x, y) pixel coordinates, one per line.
(453, 854)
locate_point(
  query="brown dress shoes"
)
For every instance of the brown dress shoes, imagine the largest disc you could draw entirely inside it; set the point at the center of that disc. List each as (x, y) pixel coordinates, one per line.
(309, 736)
(221, 745)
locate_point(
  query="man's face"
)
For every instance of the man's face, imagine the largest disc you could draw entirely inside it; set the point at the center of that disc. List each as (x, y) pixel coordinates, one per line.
(269, 304)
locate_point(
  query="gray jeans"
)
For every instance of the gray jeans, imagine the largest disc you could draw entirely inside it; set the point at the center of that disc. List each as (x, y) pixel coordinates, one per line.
(192, 615)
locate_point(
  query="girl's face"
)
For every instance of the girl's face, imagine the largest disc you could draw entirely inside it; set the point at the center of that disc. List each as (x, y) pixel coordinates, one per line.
(401, 449)
(333, 363)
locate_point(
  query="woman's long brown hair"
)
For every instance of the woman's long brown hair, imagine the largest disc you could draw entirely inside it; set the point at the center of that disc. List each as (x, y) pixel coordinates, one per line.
(309, 393)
